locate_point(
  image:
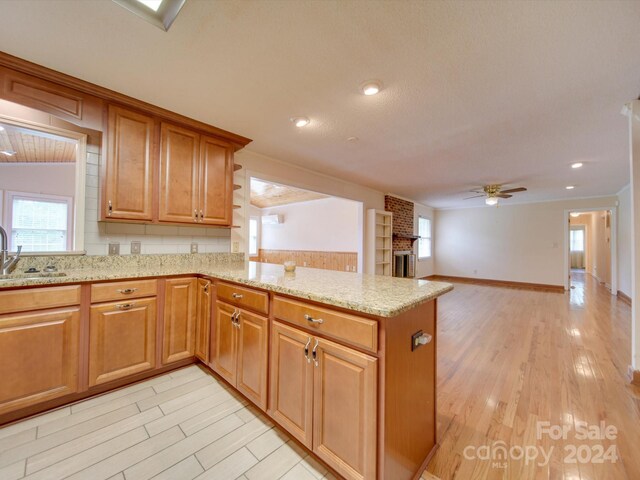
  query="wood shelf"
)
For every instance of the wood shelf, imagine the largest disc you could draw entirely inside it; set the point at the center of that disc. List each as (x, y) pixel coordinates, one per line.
(236, 167)
(237, 187)
(235, 207)
(379, 231)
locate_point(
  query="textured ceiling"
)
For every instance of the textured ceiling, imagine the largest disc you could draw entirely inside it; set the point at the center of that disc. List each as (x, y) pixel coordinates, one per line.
(475, 92)
(266, 194)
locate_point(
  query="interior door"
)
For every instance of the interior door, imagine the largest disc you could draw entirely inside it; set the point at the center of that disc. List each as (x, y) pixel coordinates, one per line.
(345, 409)
(253, 338)
(129, 176)
(179, 319)
(291, 387)
(216, 182)
(224, 354)
(179, 152)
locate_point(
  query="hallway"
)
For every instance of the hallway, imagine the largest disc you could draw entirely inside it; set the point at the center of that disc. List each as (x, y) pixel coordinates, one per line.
(508, 359)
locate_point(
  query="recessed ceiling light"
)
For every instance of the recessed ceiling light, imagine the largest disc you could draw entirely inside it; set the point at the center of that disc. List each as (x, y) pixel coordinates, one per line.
(1, 128)
(491, 201)
(576, 165)
(371, 87)
(300, 121)
(8, 153)
(570, 187)
(352, 139)
(575, 214)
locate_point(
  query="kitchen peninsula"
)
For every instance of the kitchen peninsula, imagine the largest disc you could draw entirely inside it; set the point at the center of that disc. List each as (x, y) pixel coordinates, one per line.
(344, 362)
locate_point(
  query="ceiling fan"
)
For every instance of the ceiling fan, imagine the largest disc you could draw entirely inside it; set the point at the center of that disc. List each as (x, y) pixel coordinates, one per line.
(493, 192)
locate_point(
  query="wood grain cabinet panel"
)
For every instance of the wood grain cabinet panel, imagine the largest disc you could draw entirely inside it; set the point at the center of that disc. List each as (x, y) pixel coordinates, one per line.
(203, 320)
(224, 355)
(129, 180)
(122, 339)
(216, 182)
(291, 386)
(12, 301)
(179, 319)
(179, 171)
(345, 410)
(38, 357)
(252, 363)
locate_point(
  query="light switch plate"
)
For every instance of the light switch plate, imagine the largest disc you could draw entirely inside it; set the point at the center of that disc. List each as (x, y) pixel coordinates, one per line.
(135, 248)
(235, 247)
(194, 247)
(114, 249)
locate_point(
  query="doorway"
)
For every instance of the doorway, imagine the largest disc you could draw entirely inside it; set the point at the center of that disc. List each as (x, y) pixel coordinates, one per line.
(590, 249)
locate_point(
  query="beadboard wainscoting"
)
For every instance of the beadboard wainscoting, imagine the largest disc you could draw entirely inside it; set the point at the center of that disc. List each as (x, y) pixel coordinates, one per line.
(342, 261)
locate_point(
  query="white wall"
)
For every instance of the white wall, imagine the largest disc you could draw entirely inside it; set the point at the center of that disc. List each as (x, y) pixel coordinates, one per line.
(45, 178)
(424, 268)
(624, 241)
(521, 243)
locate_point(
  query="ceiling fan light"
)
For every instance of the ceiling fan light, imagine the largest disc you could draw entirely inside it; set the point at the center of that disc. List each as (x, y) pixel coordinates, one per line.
(491, 201)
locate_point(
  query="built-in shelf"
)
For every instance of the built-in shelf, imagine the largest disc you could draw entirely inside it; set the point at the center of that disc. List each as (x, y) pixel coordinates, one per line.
(237, 187)
(379, 256)
(235, 207)
(236, 167)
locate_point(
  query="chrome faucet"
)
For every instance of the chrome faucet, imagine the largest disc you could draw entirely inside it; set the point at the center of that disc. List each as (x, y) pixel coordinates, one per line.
(7, 263)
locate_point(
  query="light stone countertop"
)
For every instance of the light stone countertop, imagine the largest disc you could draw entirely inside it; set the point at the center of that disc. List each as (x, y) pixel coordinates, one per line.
(371, 294)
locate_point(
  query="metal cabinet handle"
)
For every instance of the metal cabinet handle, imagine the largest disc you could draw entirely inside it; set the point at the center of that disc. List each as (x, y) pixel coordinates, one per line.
(127, 291)
(195, 215)
(309, 318)
(125, 306)
(206, 287)
(201, 216)
(233, 316)
(238, 320)
(237, 295)
(306, 350)
(314, 353)
(110, 209)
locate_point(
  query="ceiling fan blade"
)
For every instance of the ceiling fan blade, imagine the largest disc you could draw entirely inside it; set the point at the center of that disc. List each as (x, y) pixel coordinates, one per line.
(514, 190)
(475, 196)
(503, 195)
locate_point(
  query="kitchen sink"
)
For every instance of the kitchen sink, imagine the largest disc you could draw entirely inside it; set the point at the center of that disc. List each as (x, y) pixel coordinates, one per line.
(31, 276)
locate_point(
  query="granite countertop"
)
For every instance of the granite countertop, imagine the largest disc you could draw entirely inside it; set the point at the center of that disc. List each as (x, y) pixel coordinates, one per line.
(371, 294)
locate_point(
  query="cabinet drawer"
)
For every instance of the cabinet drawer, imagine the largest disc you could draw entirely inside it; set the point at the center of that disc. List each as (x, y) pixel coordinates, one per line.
(243, 297)
(39, 298)
(356, 331)
(106, 292)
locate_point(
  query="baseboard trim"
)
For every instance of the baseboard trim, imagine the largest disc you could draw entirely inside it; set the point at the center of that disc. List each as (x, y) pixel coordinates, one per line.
(624, 297)
(538, 287)
(633, 376)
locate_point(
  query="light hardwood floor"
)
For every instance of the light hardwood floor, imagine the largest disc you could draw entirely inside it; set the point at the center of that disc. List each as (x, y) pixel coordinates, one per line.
(178, 426)
(510, 358)
(506, 360)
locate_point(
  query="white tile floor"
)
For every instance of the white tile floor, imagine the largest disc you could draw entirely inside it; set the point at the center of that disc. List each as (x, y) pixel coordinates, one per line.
(179, 426)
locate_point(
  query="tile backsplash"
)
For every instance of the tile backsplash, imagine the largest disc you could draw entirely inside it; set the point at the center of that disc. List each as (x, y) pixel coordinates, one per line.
(153, 238)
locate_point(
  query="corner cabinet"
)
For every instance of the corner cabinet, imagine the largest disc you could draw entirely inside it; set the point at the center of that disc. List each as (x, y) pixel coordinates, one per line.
(203, 320)
(178, 341)
(129, 173)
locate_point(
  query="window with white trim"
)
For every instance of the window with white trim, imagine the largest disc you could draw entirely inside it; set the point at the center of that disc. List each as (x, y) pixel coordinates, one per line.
(253, 235)
(424, 242)
(39, 223)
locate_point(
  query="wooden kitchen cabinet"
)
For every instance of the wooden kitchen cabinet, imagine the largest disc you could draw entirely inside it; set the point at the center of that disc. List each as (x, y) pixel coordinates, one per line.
(216, 182)
(129, 174)
(38, 357)
(325, 395)
(240, 351)
(178, 341)
(122, 339)
(203, 320)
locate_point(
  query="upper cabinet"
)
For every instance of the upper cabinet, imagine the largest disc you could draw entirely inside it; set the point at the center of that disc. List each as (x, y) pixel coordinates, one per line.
(129, 179)
(196, 178)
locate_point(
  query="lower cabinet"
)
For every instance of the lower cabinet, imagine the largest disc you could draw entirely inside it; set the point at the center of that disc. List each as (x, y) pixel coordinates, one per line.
(122, 339)
(240, 350)
(203, 320)
(325, 395)
(178, 341)
(38, 357)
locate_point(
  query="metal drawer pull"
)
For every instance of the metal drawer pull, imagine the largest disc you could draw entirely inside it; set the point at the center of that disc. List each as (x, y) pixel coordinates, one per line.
(237, 295)
(127, 291)
(125, 306)
(306, 350)
(315, 354)
(309, 318)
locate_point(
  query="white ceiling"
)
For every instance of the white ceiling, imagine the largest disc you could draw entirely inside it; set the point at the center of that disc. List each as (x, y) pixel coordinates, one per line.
(475, 92)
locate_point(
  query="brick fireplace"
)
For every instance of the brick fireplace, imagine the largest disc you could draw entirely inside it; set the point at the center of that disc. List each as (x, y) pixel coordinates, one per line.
(402, 221)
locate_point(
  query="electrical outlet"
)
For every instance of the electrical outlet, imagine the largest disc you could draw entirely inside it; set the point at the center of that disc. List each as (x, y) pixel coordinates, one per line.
(135, 248)
(114, 249)
(235, 247)
(194, 247)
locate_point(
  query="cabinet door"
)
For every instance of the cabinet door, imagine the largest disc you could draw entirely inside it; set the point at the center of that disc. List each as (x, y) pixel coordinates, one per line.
(179, 319)
(224, 354)
(38, 357)
(203, 322)
(122, 339)
(179, 154)
(129, 177)
(253, 338)
(291, 387)
(345, 410)
(216, 182)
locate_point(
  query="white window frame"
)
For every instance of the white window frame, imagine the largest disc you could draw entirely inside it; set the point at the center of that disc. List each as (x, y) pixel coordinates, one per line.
(10, 196)
(257, 220)
(430, 237)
